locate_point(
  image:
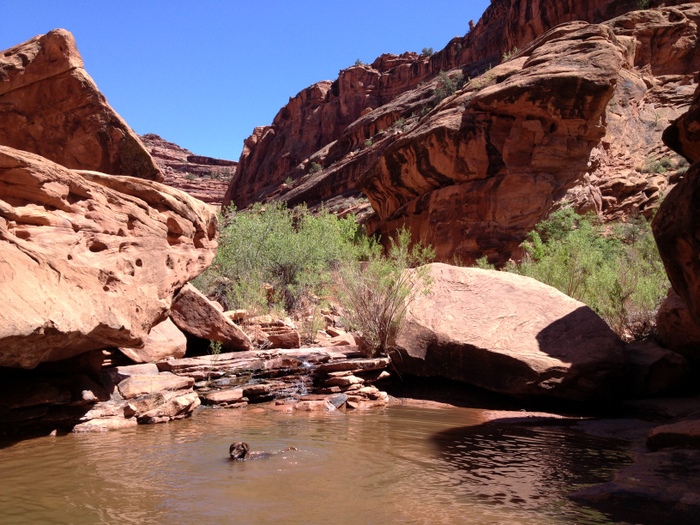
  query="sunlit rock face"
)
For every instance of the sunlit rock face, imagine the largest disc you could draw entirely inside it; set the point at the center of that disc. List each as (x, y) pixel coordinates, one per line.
(89, 260)
(50, 106)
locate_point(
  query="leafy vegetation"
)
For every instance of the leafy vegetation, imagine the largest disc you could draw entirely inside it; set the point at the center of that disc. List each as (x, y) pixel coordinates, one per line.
(292, 251)
(427, 51)
(271, 257)
(510, 54)
(616, 270)
(447, 86)
(315, 168)
(376, 293)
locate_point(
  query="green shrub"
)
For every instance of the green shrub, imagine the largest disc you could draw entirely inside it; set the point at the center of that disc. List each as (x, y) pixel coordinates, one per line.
(376, 293)
(447, 86)
(427, 51)
(616, 271)
(509, 54)
(293, 251)
(315, 167)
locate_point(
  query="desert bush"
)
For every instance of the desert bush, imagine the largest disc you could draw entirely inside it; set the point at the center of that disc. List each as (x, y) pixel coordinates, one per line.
(615, 270)
(315, 168)
(376, 293)
(447, 86)
(292, 251)
(507, 55)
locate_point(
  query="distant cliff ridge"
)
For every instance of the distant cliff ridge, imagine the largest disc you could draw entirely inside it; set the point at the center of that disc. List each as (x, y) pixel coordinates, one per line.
(205, 178)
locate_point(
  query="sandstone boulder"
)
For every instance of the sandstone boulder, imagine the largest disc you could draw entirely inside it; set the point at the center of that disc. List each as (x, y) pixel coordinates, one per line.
(683, 135)
(194, 314)
(685, 434)
(509, 334)
(677, 329)
(676, 229)
(90, 261)
(165, 340)
(50, 106)
(654, 370)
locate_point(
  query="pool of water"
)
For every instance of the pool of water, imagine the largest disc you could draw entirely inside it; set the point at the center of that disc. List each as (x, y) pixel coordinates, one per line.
(398, 465)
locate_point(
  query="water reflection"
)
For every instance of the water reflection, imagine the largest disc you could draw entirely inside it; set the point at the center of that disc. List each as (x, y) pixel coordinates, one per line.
(399, 465)
(528, 468)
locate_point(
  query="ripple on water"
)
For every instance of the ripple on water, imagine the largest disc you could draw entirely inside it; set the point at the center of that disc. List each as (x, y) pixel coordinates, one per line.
(398, 465)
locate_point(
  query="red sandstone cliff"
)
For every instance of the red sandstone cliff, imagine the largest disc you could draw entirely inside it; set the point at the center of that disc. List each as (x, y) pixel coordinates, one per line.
(576, 113)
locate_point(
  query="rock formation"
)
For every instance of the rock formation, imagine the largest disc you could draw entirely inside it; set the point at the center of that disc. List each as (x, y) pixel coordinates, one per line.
(473, 172)
(676, 227)
(194, 314)
(204, 178)
(509, 334)
(50, 106)
(90, 261)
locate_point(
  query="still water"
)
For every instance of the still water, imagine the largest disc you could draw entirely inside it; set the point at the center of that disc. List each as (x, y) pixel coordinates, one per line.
(398, 465)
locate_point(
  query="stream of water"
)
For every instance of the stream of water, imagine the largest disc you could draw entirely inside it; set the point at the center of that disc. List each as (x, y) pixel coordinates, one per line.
(399, 465)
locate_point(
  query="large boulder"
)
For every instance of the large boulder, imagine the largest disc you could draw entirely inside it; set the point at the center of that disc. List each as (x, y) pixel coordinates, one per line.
(509, 334)
(50, 106)
(677, 329)
(195, 314)
(164, 341)
(90, 261)
(676, 229)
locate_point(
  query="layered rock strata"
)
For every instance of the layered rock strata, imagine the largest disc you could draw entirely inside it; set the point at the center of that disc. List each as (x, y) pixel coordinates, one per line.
(205, 178)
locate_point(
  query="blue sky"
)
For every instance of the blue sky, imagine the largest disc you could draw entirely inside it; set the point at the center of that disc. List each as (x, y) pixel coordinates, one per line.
(204, 73)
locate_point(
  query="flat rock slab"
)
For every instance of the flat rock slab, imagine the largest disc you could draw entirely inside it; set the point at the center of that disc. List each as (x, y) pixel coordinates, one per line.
(230, 395)
(141, 385)
(685, 434)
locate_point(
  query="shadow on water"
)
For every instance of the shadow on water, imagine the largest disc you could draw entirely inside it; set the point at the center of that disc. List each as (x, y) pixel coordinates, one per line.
(530, 467)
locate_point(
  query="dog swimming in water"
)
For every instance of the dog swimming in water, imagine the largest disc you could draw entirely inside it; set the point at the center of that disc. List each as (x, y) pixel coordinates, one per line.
(240, 450)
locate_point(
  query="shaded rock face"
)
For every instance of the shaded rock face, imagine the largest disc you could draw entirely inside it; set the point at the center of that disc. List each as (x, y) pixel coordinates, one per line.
(683, 135)
(575, 114)
(204, 178)
(676, 328)
(50, 106)
(509, 334)
(90, 261)
(676, 229)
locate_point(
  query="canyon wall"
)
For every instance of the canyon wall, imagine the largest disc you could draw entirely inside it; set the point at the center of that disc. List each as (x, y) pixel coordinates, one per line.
(442, 143)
